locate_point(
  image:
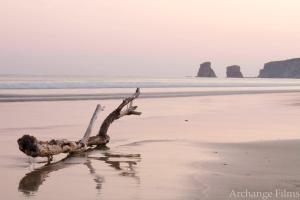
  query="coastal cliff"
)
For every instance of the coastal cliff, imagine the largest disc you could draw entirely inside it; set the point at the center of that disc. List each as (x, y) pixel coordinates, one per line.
(281, 69)
(205, 70)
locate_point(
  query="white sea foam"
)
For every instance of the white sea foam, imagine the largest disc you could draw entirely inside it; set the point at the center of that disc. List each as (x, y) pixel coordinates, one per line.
(33, 82)
(33, 88)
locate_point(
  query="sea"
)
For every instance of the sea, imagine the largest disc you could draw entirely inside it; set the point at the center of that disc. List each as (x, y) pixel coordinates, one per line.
(17, 88)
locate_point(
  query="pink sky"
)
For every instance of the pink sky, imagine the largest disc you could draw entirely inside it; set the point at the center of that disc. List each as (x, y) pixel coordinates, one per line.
(149, 38)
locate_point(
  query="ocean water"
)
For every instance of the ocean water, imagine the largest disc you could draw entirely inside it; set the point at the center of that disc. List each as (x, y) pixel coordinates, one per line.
(68, 82)
(46, 88)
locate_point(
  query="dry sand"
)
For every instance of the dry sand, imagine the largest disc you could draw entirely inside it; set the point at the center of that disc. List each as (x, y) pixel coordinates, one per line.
(180, 148)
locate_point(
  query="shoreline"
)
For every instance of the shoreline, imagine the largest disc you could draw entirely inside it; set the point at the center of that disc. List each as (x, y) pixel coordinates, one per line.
(6, 98)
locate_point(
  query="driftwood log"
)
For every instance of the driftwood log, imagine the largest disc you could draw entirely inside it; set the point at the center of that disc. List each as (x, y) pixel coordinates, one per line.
(33, 147)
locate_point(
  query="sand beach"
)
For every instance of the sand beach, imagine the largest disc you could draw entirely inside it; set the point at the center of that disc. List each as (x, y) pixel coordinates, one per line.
(201, 147)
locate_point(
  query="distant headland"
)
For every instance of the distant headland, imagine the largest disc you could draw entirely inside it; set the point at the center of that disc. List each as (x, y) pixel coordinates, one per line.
(275, 69)
(281, 69)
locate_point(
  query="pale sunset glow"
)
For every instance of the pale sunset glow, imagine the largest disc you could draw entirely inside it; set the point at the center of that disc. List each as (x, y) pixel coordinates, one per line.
(145, 38)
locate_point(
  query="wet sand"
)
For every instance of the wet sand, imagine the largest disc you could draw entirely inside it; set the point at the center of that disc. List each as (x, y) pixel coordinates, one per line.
(256, 167)
(180, 148)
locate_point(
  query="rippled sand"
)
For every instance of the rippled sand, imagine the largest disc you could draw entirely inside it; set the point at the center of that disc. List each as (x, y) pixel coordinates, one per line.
(180, 148)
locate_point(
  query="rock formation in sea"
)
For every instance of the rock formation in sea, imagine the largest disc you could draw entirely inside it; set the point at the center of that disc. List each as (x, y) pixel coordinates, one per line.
(281, 69)
(205, 70)
(234, 71)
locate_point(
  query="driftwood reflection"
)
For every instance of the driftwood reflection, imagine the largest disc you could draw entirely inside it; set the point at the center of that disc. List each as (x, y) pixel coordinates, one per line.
(99, 180)
(125, 163)
(127, 167)
(31, 182)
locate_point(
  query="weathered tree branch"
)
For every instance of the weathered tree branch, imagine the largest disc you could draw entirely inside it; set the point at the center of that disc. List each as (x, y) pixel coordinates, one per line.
(118, 113)
(90, 127)
(35, 148)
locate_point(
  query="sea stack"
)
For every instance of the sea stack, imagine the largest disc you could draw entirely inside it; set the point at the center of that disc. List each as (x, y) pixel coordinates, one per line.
(234, 71)
(281, 69)
(205, 70)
